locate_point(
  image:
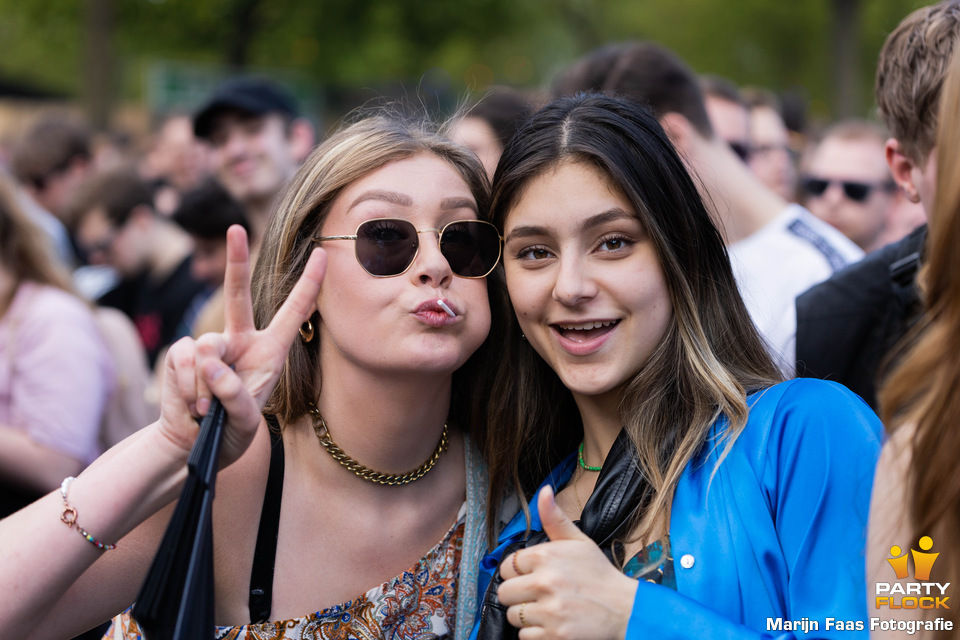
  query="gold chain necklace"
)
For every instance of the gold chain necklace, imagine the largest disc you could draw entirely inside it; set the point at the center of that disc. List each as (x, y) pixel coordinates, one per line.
(323, 435)
(579, 472)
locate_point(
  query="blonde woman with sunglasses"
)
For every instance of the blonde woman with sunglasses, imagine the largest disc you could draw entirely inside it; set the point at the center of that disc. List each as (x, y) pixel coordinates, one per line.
(350, 508)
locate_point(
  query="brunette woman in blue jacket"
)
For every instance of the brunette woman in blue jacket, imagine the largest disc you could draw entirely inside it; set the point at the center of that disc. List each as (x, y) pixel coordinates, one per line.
(713, 500)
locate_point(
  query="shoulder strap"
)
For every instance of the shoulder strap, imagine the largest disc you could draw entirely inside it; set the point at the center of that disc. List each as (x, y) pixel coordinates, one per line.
(265, 553)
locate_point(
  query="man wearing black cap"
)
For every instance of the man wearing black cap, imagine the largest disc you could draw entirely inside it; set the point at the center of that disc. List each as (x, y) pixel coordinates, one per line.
(258, 140)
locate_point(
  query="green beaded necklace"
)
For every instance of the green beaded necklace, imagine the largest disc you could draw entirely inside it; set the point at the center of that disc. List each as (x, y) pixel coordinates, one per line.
(584, 465)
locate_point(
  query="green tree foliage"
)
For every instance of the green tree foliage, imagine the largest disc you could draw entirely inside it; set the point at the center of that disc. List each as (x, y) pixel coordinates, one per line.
(448, 45)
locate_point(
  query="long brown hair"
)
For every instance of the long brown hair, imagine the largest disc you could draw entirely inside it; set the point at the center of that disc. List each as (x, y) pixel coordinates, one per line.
(711, 355)
(344, 158)
(923, 390)
(25, 252)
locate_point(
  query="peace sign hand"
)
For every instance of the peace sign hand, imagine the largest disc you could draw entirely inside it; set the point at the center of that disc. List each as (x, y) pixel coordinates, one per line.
(195, 370)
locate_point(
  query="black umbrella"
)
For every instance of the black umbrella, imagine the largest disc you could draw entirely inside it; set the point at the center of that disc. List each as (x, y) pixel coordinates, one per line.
(176, 599)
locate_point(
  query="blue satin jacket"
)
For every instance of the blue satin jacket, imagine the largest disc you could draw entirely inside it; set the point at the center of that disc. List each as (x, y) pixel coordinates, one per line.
(775, 542)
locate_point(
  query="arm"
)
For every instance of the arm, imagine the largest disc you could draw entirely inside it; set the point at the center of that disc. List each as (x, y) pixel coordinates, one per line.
(59, 578)
(795, 495)
(24, 462)
(43, 557)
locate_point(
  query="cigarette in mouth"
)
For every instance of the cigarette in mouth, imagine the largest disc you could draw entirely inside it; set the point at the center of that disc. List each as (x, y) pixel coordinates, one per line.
(443, 305)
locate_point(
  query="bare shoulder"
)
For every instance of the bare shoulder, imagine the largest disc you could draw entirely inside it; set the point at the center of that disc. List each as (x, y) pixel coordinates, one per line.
(238, 484)
(240, 490)
(236, 520)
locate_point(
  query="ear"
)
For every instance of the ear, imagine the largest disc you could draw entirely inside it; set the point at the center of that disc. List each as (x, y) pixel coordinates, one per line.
(302, 138)
(901, 168)
(679, 130)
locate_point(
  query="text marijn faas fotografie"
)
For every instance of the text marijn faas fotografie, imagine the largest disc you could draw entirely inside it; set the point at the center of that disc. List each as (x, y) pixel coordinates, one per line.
(806, 625)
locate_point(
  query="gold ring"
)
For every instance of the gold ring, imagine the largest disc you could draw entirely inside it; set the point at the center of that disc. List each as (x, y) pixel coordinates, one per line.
(516, 565)
(523, 620)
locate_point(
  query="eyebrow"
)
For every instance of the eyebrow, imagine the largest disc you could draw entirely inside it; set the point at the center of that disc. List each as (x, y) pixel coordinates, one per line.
(459, 203)
(384, 196)
(404, 200)
(592, 222)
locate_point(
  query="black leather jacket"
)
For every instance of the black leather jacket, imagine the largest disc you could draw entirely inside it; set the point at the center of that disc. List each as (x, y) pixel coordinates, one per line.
(621, 492)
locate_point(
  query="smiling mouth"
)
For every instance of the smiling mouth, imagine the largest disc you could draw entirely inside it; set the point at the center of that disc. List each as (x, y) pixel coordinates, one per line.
(241, 168)
(584, 332)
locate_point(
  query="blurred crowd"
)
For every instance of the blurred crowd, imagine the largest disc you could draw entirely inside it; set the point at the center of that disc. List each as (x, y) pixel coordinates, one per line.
(108, 257)
(133, 244)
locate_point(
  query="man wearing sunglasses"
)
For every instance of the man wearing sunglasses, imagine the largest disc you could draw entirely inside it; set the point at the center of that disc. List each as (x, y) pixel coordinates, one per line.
(118, 225)
(848, 184)
(848, 326)
(771, 158)
(729, 115)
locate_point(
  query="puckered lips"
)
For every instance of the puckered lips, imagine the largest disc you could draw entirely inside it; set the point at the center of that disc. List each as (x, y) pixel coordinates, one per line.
(583, 338)
(433, 314)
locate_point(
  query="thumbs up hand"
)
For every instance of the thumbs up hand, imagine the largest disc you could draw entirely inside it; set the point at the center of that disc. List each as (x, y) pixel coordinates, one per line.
(565, 588)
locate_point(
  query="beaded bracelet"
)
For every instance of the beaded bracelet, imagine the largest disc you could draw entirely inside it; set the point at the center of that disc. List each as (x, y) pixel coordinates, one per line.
(69, 518)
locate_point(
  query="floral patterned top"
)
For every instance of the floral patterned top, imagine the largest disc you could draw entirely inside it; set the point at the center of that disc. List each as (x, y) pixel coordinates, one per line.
(419, 603)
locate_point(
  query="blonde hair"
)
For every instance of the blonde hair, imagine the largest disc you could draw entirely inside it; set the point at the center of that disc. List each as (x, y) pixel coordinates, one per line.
(345, 157)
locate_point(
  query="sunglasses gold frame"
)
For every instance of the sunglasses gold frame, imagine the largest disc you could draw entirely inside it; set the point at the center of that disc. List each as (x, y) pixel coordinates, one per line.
(439, 231)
